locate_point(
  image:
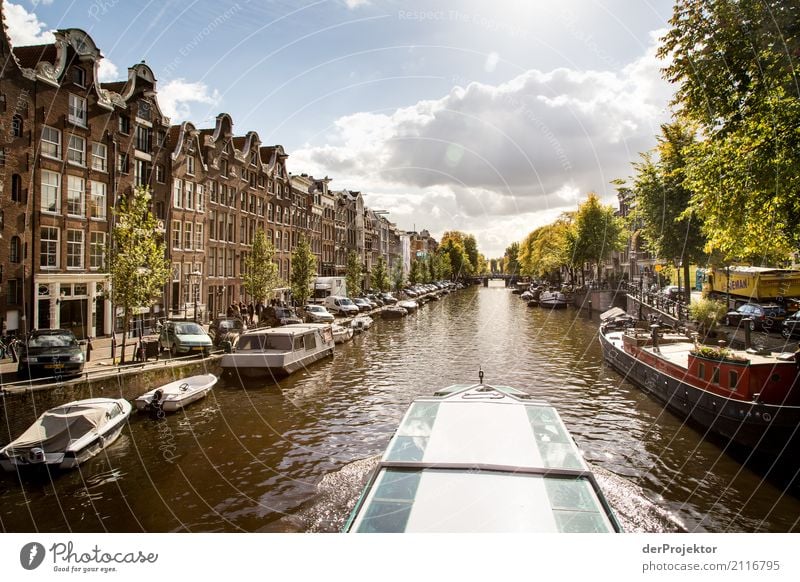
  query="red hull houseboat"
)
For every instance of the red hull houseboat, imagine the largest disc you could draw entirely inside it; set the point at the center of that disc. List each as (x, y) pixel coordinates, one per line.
(751, 400)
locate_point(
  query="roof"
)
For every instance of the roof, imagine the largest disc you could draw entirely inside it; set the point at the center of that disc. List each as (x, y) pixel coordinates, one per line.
(30, 56)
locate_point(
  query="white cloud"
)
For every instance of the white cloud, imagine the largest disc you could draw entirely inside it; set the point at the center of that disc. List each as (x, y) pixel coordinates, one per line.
(24, 27)
(351, 4)
(491, 62)
(175, 98)
(107, 71)
(530, 147)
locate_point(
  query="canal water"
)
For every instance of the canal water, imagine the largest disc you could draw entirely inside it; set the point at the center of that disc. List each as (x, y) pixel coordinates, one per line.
(293, 456)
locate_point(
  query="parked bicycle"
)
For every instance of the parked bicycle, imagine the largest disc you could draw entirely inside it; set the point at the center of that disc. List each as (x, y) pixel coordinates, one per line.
(9, 347)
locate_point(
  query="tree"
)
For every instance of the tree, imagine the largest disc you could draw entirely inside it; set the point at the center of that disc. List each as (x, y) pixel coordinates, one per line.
(260, 278)
(414, 275)
(138, 265)
(734, 64)
(380, 275)
(398, 277)
(354, 274)
(446, 265)
(670, 230)
(471, 248)
(598, 232)
(510, 259)
(304, 271)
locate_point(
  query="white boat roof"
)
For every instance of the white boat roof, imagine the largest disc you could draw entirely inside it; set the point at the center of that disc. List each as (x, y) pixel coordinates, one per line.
(483, 459)
(291, 329)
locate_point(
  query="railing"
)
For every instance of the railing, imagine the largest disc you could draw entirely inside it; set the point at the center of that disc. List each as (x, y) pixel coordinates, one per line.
(676, 308)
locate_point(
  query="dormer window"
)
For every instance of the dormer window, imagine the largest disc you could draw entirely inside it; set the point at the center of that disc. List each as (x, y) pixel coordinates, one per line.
(79, 77)
(77, 110)
(144, 110)
(190, 165)
(253, 158)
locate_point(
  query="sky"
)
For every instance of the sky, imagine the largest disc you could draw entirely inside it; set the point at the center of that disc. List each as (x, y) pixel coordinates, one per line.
(487, 117)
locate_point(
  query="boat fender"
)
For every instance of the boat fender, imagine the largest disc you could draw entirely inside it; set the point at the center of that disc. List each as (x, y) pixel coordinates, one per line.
(184, 387)
(766, 416)
(155, 405)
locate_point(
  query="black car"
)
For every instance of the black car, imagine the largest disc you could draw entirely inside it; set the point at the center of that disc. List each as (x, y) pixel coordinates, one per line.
(275, 316)
(50, 352)
(225, 328)
(767, 317)
(791, 325)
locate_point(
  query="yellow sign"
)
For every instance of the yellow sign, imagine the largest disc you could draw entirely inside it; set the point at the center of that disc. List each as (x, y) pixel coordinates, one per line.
(658, 268)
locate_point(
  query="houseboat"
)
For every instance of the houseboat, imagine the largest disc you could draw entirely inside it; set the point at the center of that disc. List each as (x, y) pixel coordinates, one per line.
(279, 351)
(751, 400)
(479, 458)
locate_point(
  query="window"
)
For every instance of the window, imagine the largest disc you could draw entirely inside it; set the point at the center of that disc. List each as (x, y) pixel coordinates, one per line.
(79, 76)
(51, 191)
(144, 139)
(189, 196)
(733, 379)
(212, 191)
(97, 250)
(177, 193)
(14, 292)
(223, 168)
(242, 200)
(16, 125)
(76, 196)
(190, 165)
(51, 142)
(15, 256)
(122, 163)
(77, 110)
(48, 257)
(270, 213)
(176, 234)
(715, 375)
(99, 151)
(161, 174)
(16, 188)
(74, 249)
(76, 151)
(143, 111)
(201, 203)
(198, 236)
(141, 173)
(124, 124)
(187, 236)
(99, 200)
(161, 137)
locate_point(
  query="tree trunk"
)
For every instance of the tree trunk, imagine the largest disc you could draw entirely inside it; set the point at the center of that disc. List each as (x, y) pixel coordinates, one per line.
(124, 335)
(688, 291)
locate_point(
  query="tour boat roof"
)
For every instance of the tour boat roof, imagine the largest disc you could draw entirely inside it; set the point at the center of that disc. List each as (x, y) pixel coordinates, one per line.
(291, 329)
(482, 459)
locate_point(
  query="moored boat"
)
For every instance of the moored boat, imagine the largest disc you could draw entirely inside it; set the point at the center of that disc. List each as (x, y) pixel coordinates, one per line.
(177, 394)
(393, 312)
(408, 305)
(553, 299)
(750, 401)
(478, 458)
(279, 351)
(341, 333)
(67, 435)
(361, 323)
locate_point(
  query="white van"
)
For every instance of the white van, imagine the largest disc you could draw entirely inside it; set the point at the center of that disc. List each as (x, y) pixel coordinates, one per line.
(340, 305)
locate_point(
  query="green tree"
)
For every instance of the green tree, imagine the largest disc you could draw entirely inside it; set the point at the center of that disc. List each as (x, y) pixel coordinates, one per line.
(138, 265)
(471, 248)
(260, 277)
(670, 230)
(511, 259)
(598, 232)
(398, 277)
(734, 65)
(380, 275)
(446, 265)
(354, 275)
(304, 271)
(414, 272)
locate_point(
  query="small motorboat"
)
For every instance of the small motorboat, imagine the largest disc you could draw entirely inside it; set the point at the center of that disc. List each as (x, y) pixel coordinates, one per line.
(533, 303)
(409, 306)
(341, 333)
(175, 395)
(554, 299)
(393, 312)
(67, 435)
(526, 296)
(361, 323)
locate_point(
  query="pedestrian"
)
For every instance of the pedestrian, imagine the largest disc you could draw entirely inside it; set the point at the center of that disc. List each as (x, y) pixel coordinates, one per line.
(251, 311)
(88, 349)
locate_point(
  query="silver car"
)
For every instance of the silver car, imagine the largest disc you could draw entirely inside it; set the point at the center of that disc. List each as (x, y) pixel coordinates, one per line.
(317, 314)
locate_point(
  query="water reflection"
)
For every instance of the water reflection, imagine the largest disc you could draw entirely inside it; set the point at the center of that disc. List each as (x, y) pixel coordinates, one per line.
(293, 454)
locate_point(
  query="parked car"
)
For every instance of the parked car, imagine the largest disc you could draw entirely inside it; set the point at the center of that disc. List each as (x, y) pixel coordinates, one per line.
(672, 292)
(362, 304)
(765, 317)
(50, 352)
(317, 314)
(184, 337)
(276, 316)
(791, 325)
(339, 305)
(225, 329)
(374, 299)
(388, 298)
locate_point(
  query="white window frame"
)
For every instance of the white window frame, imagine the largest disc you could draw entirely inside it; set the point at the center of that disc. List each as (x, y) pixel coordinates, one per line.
(76, 184)
(199, 192)
(177, 193)
(78, 110)
(198, 236)
(176, 234)
(51, 192)
(187, 236)
(97, 250)
(52, 247)
(76, 155)
(99, 161)
(99, 200)
(75, 246)
(48, 143)
(189, 195)
(190, 165)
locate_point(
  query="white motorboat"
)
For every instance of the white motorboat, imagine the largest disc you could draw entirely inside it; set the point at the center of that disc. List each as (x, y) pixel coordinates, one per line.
(177, 394)
(341, 333)
(554, 299)
(479, 459)
(393, 312)
(361, 323)
(408, 305)
(279, 351)
(67, 435)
